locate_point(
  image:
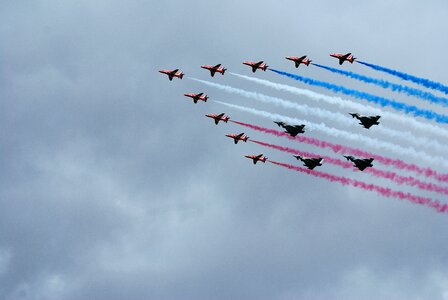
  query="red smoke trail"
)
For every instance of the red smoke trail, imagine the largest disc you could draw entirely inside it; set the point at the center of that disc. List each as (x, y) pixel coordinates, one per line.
(386, 192)
(409, 180)
(428, 172)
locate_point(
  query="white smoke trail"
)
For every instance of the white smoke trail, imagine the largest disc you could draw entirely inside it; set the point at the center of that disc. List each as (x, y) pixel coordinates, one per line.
(367, 141)
(428, 128)
(332, 116)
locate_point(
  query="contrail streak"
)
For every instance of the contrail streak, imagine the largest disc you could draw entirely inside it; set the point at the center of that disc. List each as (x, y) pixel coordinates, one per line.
(337, 148)
(389, 85)
(409, 109)
(347, 104)
(408, 180)
(371, 142)
(386, 192)
(421, 81)
(328, 115)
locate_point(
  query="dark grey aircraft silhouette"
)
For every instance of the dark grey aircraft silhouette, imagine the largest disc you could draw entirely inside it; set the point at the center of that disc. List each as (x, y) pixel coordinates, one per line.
(366, 121)
(360, 163)
(293, 130)
(309, 162)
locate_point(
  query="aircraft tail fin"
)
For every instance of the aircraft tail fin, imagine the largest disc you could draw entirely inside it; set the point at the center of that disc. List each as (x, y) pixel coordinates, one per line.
(181, 76)
(223, 71)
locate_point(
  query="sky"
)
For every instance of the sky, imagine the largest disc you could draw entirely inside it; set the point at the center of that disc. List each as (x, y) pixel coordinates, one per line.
(113, 185)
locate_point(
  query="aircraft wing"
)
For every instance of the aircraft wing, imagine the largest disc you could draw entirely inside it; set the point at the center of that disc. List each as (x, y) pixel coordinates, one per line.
(362, 167)
(375, 118)
(199, 95)
(217, 66)
(347, 55)
(239, 135)
(311, 166)
(220, 116)
(212, 72)
(366, 124)
(174, 72)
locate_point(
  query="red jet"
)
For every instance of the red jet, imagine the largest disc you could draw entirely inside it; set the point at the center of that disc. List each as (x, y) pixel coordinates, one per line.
(173, 73)
(257, 158)
(197, 97)
(214, 69)
(238, 137)
(344, 57)
(218, 118)
(299, 60)
(256, 65)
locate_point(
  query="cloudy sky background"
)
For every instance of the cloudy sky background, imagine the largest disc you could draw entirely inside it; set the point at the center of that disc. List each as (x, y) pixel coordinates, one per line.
(115, 186)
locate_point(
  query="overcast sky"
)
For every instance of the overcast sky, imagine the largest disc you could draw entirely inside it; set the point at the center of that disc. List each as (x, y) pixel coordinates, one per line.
(113, 185)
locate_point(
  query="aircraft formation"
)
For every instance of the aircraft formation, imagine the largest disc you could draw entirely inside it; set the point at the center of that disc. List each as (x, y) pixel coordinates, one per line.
(298, 131)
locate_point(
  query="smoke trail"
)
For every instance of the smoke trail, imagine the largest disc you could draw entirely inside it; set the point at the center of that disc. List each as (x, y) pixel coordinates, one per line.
(389, 85)
(331, 116)
(409, 109)
(421, 81)
(367, 141)
(409, 180)
(347, 104)
(386, 192)
(337, 148)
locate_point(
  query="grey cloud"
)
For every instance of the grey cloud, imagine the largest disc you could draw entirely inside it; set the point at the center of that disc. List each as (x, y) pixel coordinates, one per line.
(113, 186)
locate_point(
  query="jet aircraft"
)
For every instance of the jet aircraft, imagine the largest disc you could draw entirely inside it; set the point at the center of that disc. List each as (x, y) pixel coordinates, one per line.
(256, 158)
(293, 130)
(366, 121)
(173, 73)
(197, 97)
(299, 60)
(213, 69)
(256, 65)
(344, 57)
(309, 162)
(238, 137)
(218, 118)
(360, 163)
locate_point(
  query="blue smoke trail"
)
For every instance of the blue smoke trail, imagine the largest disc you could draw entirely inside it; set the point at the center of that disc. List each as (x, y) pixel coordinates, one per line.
(409, 109)
(389, 85)
(421, 81)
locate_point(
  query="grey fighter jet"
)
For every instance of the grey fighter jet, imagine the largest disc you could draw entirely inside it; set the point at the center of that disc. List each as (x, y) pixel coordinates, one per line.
(360, 163)
(309, 162)
(293, 130)
(366, 121)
